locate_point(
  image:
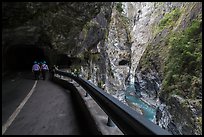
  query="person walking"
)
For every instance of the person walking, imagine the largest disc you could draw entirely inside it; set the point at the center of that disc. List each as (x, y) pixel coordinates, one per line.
(44, 69)
(36, 70)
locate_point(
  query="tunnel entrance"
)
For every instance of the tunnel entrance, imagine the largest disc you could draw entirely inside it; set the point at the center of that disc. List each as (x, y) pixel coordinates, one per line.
(123, 62)
(22, 57)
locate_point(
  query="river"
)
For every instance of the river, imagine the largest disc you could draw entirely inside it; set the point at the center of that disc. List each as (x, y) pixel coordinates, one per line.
(149, 112)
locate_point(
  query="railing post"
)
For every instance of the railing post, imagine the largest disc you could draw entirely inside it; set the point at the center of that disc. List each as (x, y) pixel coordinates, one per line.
(110, 123)
(86, 95)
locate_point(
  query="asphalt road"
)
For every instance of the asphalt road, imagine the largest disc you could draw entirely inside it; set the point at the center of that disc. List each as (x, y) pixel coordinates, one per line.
(48, 111)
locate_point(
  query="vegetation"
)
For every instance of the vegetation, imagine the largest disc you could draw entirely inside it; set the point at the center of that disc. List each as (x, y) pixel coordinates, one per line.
(169, 19)
(155, 56)
(119, 7)
(178, 61)
(182, 73)
(199, 123)
(179, 58)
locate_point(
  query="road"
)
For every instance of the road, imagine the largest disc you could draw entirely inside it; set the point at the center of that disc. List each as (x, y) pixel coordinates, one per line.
(48, 110)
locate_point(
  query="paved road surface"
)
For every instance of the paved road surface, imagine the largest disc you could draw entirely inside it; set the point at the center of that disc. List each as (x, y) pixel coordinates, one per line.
(48, 111)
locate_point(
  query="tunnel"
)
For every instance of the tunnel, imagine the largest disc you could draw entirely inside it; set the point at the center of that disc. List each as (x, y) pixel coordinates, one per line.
(22, 57)
(123, 62)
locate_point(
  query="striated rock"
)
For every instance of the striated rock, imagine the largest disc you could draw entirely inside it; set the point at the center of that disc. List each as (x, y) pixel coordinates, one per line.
(147, 53)
(182, 116)
(117, 50)
(151, 69)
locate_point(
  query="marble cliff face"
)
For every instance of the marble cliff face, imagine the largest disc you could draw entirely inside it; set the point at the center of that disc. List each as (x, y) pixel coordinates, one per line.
(120, 44)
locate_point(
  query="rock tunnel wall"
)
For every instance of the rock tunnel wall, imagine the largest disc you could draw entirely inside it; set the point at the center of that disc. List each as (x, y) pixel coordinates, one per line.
(54, 29)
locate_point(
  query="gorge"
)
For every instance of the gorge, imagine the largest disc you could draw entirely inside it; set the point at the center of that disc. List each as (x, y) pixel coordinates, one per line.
(153, 47)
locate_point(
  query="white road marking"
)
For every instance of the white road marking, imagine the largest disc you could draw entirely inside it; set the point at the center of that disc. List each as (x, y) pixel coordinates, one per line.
(17, 111)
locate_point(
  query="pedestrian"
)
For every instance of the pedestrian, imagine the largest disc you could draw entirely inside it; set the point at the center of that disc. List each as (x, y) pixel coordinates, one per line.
(36, 70)
(44, 69)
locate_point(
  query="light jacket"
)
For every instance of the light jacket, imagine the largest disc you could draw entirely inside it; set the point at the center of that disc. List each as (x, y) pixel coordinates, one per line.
(36, 67)
(44, 67)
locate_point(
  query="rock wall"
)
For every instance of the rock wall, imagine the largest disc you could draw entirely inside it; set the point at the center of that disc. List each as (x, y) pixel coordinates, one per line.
(90, 47)
(154, 72)
(137, 52)
(130, 32)
(118, 53)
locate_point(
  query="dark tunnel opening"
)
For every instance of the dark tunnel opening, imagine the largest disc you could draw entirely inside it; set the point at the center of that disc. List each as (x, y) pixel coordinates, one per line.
(123, 62)
(22, 57)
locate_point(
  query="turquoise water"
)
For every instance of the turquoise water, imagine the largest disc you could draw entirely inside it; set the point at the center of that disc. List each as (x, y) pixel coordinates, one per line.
(149, 112)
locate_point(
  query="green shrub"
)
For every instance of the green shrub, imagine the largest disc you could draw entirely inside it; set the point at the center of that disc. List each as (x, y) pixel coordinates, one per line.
(119, 7)
(170, 18)
(183, 66)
